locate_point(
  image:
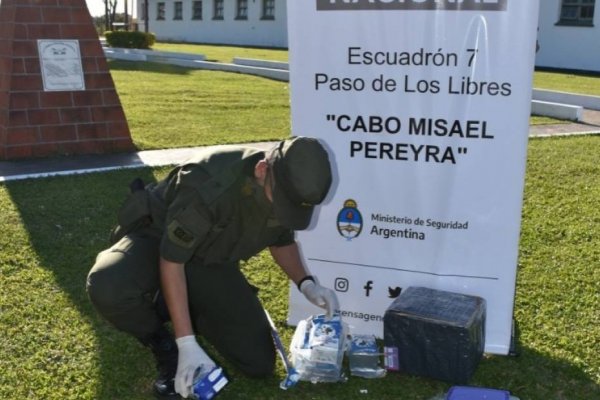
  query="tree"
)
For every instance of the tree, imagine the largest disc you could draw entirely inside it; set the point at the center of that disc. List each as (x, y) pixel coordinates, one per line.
(126, 16)
(110, 11)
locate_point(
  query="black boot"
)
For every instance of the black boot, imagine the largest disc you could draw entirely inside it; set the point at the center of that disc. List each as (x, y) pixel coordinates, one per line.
(164, 348)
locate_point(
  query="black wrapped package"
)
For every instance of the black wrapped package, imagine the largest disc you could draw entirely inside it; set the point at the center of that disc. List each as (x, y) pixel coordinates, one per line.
(434, 333)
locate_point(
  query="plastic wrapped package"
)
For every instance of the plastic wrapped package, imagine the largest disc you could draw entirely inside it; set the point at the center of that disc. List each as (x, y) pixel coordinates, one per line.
(317, 349)
(364, 357)
(435, 333)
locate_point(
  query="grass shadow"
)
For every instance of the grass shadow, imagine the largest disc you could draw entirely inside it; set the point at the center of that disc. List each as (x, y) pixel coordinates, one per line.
(146, 66)
(67, 221)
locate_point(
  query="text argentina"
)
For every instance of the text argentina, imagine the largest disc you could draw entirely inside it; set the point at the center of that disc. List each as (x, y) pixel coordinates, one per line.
(406, 233)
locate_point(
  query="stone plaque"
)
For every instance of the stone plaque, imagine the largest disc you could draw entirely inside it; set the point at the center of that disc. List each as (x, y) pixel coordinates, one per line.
(60, 62)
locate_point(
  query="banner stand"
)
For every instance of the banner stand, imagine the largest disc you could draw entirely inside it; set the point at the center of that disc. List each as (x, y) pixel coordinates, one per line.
(424, 107)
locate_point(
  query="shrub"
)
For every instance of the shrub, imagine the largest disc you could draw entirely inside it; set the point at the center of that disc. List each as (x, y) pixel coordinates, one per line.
(130, 40)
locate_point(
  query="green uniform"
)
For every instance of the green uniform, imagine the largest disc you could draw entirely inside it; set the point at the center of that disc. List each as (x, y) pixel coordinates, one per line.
(208, 215)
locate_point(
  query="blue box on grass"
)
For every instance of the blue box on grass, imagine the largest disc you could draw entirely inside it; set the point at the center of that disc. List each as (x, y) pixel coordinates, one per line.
(436, 334)
(207, 385)
(476, 393)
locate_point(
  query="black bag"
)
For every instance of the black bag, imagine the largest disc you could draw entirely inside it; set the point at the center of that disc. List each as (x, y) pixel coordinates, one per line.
(134, 212)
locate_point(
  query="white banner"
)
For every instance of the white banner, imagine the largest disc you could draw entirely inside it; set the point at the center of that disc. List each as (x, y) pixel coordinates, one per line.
(424, 106)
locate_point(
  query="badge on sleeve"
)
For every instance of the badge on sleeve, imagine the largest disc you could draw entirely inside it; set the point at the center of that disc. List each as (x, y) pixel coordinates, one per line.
(179, 235)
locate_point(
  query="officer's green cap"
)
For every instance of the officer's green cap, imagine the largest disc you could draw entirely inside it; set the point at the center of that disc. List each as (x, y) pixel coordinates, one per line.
(302, 179)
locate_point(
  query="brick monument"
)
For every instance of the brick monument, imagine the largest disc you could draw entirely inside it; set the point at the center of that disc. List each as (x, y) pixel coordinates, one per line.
(57, 96)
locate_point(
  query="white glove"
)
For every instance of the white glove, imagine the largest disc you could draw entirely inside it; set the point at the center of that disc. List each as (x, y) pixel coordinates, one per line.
(191, 357)
(320, 296)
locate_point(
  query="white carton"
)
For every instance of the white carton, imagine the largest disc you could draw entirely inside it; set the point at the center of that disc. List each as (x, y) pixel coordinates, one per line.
(318, 347)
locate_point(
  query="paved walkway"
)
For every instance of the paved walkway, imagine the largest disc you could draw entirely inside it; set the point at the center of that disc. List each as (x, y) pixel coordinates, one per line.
(590, 124)
(16, 170)
(39, 168)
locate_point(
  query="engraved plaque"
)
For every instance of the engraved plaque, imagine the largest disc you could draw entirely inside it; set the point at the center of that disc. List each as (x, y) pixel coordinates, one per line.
(60, 62)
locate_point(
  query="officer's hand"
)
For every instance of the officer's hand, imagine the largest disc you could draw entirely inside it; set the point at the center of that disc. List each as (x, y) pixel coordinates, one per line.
(191, 357)
(320, 296)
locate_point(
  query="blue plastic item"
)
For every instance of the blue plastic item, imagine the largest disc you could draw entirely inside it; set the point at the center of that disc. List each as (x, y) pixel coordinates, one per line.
(207, 385)
(476, 393)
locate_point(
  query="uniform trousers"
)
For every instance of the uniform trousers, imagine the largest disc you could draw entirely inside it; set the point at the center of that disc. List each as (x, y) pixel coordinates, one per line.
(124, 285)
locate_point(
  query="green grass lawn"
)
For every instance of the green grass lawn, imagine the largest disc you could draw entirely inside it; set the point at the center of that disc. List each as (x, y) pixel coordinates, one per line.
(223, 53)
(54, 346)
(567, 82)
(169, 106)
(539, 120)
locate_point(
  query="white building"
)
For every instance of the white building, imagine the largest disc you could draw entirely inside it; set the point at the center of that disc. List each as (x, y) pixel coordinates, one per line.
(569, 35)
(569, 30)
(238, 22)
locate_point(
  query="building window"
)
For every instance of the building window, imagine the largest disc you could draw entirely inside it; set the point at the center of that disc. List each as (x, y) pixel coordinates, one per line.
(218, 9)
(197, 9)
(144, 12)
(242, 9)
(178, 10)
(268, 9)
(160, 11)
(577, 12)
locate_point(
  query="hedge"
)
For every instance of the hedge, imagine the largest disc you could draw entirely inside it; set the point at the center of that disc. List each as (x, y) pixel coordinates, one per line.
(130, 40)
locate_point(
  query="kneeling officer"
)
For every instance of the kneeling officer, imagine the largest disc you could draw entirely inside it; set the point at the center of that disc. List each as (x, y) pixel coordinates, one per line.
(177, 249)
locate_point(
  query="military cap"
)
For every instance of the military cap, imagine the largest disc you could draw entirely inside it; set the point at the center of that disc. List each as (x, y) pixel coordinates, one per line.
(302, 174)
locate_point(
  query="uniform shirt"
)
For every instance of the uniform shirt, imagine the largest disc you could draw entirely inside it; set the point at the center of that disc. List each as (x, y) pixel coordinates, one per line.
(213, 211)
